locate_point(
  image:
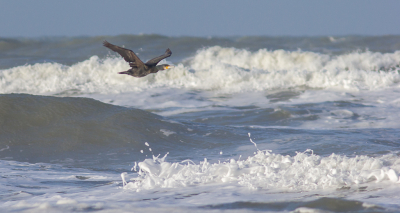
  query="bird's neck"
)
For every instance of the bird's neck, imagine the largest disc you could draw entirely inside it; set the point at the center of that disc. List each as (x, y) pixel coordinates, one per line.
(160, 67)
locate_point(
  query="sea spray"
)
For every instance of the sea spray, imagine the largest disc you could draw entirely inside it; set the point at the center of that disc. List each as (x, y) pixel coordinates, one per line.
(266, 170)
(253, 141)
(227, 70)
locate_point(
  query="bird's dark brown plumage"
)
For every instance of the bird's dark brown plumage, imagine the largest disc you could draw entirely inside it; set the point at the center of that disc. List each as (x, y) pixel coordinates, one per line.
(138, 68)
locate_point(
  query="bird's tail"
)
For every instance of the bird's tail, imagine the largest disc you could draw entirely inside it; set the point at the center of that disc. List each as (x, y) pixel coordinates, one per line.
(124, 72)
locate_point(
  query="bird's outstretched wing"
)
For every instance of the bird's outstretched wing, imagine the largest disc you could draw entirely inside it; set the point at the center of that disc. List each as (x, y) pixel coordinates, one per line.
(154, 61)
(128, 55)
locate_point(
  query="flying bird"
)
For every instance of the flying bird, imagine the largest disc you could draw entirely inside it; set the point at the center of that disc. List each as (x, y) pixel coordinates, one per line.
(138, 68)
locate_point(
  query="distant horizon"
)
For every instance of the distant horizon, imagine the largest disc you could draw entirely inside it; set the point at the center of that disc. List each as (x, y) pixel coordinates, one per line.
(180, 36)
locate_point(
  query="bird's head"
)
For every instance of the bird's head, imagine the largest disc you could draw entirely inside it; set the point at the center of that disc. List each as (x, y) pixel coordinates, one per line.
(166, 66)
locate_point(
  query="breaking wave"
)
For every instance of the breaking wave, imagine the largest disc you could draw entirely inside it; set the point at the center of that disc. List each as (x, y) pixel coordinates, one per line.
(216, 68)
(267, 170)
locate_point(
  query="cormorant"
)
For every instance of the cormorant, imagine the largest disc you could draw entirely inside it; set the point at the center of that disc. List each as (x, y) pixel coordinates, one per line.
(139, 69)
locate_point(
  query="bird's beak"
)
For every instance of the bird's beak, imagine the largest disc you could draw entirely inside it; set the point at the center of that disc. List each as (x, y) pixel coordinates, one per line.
(169, 67)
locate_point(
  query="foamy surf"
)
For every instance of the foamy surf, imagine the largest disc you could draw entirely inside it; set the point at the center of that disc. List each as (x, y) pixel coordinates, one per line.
(266, 170)
(327, 110)
(264, 59)
(227, 70)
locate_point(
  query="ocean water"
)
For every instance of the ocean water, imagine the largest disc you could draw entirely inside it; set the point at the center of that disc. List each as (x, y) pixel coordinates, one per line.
(241, 124)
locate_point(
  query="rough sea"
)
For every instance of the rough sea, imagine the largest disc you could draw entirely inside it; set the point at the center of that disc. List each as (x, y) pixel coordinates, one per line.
(241, 124)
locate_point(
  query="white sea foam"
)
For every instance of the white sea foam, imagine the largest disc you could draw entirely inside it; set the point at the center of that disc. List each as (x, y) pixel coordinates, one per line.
(379, 109)
(240, 77)
(216, 68)
(211, 183)
(293, 60)
(269, 171)
(167, 132)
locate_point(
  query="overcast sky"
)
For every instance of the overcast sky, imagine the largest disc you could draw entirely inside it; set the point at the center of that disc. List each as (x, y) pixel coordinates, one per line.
(30, 18)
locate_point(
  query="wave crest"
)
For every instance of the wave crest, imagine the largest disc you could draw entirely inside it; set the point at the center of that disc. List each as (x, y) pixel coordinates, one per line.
(228, 70)
(294, 60)
(266, 170)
